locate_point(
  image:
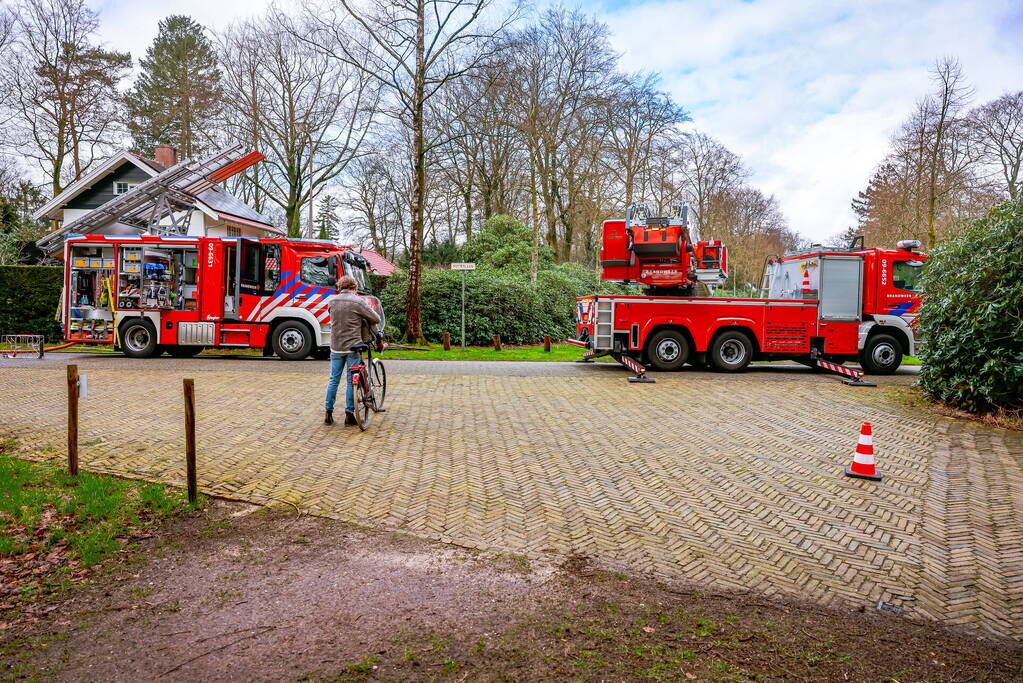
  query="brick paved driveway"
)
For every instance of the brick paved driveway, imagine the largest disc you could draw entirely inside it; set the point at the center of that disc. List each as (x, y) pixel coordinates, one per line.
(731, 480)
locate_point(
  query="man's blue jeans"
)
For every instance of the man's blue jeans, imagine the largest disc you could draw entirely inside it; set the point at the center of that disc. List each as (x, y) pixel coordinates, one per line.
(339, 362)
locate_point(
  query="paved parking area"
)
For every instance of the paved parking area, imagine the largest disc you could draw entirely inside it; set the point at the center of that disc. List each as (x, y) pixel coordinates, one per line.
(731, 480)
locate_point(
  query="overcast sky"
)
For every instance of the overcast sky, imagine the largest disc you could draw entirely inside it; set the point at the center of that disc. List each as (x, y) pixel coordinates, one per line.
(807, 93)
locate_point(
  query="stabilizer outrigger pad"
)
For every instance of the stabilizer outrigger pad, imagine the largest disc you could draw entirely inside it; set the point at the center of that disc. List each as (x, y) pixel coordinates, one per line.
(858, 382)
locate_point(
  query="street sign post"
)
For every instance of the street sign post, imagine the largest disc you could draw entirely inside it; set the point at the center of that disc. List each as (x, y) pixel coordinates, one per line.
(463, 267)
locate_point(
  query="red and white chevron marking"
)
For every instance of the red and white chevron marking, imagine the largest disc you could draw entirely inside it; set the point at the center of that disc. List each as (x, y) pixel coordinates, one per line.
(633, 365)
(840, 369)
(317, 305)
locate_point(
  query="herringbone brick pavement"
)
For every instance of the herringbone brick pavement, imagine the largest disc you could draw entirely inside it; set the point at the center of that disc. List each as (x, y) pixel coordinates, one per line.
(734, 483)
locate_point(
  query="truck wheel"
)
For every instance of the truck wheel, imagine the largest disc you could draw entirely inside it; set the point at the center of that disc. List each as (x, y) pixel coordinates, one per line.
(731, 352)
(138, 339)
(292, 340)
(667, 350)
(882, 355)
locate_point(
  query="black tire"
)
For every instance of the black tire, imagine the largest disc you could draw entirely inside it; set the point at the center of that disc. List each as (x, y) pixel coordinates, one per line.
(667, 350)
(138, 339)
(363, 405)
(176, 351)
(378, 378)
(320, 353)
(882, 355)
(292, 340)
(731, 351)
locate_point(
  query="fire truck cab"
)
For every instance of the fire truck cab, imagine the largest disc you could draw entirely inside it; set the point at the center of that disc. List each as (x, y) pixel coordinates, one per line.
(177, 294)
(836, 305)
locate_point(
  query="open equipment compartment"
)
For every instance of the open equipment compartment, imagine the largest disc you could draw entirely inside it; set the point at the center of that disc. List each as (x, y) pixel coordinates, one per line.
(90, 315)
(158, 278)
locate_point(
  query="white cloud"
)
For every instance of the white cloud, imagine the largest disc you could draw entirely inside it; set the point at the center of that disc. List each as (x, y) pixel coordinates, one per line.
(810, 93)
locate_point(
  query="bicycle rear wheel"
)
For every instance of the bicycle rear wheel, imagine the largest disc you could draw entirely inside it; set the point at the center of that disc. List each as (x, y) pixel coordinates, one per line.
(363, 404)
(378, 378)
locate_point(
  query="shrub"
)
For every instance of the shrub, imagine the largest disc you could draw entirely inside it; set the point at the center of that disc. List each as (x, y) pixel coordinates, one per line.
(505, 242)
(499, 298)
(29, 298)
(972, 316)
(497, 301)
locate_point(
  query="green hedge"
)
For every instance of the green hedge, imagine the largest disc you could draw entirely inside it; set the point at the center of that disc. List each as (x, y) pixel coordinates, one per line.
(972, 316)
(29, 298)
(497, 301)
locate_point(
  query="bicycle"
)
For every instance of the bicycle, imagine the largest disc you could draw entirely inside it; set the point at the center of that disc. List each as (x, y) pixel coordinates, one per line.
(370, 385)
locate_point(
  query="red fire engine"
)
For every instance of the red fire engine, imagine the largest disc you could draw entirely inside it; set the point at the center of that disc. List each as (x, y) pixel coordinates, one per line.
(150, 294)
(823, 307)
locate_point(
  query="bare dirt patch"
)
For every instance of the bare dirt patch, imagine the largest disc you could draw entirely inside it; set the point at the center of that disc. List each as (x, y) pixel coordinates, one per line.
(243, 593)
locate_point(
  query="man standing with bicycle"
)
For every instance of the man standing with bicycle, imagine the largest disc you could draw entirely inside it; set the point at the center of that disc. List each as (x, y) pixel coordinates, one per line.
(350, 318)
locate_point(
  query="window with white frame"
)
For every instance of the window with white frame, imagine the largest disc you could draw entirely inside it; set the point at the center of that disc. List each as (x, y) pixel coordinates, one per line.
(234, 232)
(122, 187)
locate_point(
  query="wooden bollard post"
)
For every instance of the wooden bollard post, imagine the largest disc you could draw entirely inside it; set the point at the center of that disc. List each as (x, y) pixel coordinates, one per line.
(72, 420)
(547, 343)
(447, 341)
(190, 440)
(497, 342)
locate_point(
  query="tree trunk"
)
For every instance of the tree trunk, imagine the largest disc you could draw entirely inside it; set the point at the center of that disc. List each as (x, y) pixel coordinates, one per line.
(534, 255)
(414, 323)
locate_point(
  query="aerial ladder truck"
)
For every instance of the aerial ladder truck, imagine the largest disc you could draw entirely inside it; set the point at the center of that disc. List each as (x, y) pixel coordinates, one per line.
(821, 307)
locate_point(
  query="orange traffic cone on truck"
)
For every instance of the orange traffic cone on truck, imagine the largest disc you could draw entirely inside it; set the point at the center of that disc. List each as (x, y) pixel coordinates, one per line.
(807, 292)
(862, 466)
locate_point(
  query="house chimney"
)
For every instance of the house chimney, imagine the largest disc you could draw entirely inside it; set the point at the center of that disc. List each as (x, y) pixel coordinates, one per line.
(166, 155)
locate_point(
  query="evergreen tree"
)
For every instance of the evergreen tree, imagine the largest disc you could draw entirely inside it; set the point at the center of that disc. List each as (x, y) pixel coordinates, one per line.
(326, 218)
(178, 93)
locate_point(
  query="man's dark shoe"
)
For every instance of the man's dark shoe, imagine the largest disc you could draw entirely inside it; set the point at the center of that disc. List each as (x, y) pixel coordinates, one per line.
(350, 419)
(328, 419)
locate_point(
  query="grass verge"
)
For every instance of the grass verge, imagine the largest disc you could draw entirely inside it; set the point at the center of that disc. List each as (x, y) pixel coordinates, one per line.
(913, 397)
(55, 529)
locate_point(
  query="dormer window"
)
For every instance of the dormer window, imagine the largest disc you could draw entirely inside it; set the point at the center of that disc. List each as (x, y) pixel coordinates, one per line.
(121, 188)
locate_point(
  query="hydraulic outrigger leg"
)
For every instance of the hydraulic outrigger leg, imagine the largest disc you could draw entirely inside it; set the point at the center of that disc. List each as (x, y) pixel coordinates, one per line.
(853, 378)
(640, 371)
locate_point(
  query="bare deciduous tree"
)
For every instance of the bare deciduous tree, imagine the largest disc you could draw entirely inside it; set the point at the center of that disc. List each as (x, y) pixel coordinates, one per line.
(63, 87)
(997, 131)
(640, 116)
(413, 49)
(707, 169)
(940, 111)
(307, 113)
(946, 165)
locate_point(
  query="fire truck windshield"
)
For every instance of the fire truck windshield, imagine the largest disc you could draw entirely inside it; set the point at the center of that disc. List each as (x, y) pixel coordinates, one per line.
(905, 275)
(320, 271)
(356, 272)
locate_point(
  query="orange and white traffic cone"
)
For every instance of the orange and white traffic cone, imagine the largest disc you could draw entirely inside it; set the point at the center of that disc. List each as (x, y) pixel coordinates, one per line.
(806, 283)
(862, 466)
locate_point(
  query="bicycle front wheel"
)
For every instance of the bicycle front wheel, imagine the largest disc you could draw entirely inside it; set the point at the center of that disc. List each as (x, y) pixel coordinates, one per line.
(363, 403)
(378, 378)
